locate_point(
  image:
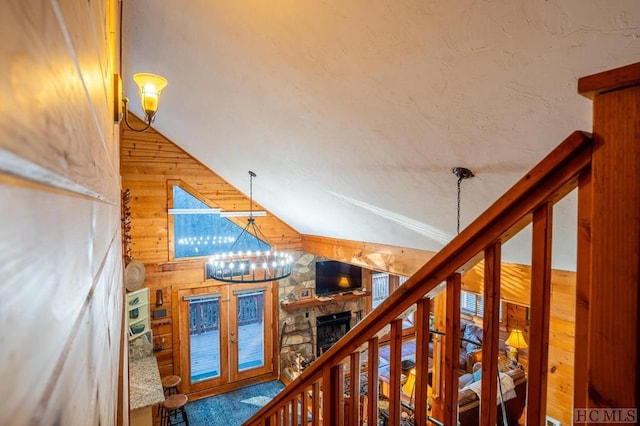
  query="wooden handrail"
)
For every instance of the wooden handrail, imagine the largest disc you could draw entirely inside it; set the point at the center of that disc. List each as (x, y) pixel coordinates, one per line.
(555, 176)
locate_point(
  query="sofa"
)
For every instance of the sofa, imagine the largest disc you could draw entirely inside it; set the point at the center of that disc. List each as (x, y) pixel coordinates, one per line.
(469, 333)
(469, 403)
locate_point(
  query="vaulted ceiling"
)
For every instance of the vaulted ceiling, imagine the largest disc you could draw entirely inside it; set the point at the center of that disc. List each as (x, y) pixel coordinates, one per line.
(352, 113)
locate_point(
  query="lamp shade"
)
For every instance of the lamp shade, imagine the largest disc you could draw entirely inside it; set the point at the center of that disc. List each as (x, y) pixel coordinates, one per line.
(343, 282)
(151, 86)
(516, 339)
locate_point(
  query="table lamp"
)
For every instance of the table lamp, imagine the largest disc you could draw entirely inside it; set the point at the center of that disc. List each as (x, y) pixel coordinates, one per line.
(515, 341)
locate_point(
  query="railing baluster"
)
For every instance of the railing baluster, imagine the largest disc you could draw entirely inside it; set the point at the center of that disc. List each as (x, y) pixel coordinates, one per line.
(315, 396)
(354, 389)
(395, 371)
(452, 350)
(540, 309)
(373, 364)
(422, 315)
(490, 335)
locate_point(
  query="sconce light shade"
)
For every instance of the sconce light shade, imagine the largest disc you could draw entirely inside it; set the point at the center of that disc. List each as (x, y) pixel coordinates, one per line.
(150, 86)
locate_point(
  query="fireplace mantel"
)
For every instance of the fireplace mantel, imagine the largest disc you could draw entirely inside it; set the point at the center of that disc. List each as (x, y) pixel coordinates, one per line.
(318, 301)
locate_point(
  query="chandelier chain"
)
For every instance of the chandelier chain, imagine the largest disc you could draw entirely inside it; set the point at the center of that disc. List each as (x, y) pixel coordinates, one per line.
(459, 181)
(461, 173)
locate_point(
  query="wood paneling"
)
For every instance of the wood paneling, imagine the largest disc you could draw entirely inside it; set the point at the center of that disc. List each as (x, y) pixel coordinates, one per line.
(60, 243)
(150, 164)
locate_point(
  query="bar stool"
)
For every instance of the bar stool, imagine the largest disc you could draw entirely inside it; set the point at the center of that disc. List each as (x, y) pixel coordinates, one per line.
(169, 387)
(174, 404)
(170, 384)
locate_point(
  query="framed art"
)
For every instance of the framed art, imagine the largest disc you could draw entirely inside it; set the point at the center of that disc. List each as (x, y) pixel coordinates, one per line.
(304, 293)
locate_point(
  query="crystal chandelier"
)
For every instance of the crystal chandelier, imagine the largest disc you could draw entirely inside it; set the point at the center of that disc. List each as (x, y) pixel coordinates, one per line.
(251, 266)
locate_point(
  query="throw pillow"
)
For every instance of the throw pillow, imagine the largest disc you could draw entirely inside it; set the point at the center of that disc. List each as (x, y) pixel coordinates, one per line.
(477, 375)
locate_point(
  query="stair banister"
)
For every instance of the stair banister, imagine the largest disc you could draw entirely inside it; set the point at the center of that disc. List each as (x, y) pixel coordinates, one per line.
(550, 180)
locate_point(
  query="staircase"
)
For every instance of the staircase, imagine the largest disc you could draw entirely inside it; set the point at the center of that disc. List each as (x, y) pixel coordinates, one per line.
(602, 168)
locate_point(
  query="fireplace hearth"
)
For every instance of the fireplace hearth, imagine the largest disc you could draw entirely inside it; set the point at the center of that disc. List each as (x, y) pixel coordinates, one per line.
(330, 328)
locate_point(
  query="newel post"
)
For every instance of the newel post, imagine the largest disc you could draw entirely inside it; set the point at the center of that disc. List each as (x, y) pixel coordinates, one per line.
(606, 350)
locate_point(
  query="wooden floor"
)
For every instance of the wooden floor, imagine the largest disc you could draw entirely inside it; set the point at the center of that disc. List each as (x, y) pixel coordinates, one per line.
(206, 357)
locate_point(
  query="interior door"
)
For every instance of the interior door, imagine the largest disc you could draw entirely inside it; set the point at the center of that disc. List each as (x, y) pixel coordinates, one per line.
(225, 335)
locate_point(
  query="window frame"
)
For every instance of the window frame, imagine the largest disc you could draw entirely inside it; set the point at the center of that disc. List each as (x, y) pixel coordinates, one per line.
(171, 183)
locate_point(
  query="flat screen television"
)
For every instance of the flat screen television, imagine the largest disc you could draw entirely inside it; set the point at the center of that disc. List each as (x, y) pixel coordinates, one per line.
(337, 277)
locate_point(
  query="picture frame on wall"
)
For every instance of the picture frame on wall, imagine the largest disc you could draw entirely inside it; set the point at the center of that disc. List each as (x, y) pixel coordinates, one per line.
(305, 293)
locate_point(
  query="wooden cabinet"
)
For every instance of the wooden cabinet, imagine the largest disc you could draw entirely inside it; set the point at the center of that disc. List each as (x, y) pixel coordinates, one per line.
(138, 320)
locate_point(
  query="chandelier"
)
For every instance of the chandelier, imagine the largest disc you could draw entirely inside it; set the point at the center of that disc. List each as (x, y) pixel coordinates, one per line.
(250, 266)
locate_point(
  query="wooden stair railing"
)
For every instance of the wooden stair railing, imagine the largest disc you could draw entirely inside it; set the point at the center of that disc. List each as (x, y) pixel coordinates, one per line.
(529, 200)
(607, 292)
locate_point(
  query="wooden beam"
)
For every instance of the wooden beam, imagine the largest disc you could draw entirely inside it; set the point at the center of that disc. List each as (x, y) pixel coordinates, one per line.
(490, 334)
(379, 257)
(540, 309)
(423, 336)
(452, 350)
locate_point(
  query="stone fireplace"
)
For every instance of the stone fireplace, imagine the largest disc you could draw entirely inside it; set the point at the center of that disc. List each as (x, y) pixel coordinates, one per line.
(330, 328)
(301, 332)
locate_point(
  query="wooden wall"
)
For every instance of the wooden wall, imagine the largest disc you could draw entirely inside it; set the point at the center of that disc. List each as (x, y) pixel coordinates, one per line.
(516, 290)
(61, 291)
(148, 162)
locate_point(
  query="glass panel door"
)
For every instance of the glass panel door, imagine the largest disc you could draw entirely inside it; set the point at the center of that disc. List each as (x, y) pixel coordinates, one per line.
(225, 335)
(251, 340)
(203, 339)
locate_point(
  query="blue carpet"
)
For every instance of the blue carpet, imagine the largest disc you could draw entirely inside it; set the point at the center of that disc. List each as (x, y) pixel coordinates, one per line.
(233, 408)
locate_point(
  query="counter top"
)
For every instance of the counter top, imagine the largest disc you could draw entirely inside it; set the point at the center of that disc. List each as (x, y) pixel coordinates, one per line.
(145, 387)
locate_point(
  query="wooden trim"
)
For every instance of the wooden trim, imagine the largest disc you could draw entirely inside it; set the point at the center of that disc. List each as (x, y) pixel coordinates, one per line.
(490, 335)
(452, 349)
(583, 290)
(616, 79)
(423, 336)
(540, 312)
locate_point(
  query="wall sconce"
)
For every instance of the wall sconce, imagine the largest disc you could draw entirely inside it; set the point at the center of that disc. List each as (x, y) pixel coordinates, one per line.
(150, 87)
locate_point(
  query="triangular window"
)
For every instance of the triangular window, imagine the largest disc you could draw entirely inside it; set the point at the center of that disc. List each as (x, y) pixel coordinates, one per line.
(198, 230)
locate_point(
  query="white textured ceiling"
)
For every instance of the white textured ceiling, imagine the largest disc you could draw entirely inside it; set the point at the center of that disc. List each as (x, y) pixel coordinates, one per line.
(352, 113)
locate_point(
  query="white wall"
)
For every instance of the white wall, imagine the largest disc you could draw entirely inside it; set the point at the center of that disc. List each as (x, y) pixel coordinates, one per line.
(60, 241)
